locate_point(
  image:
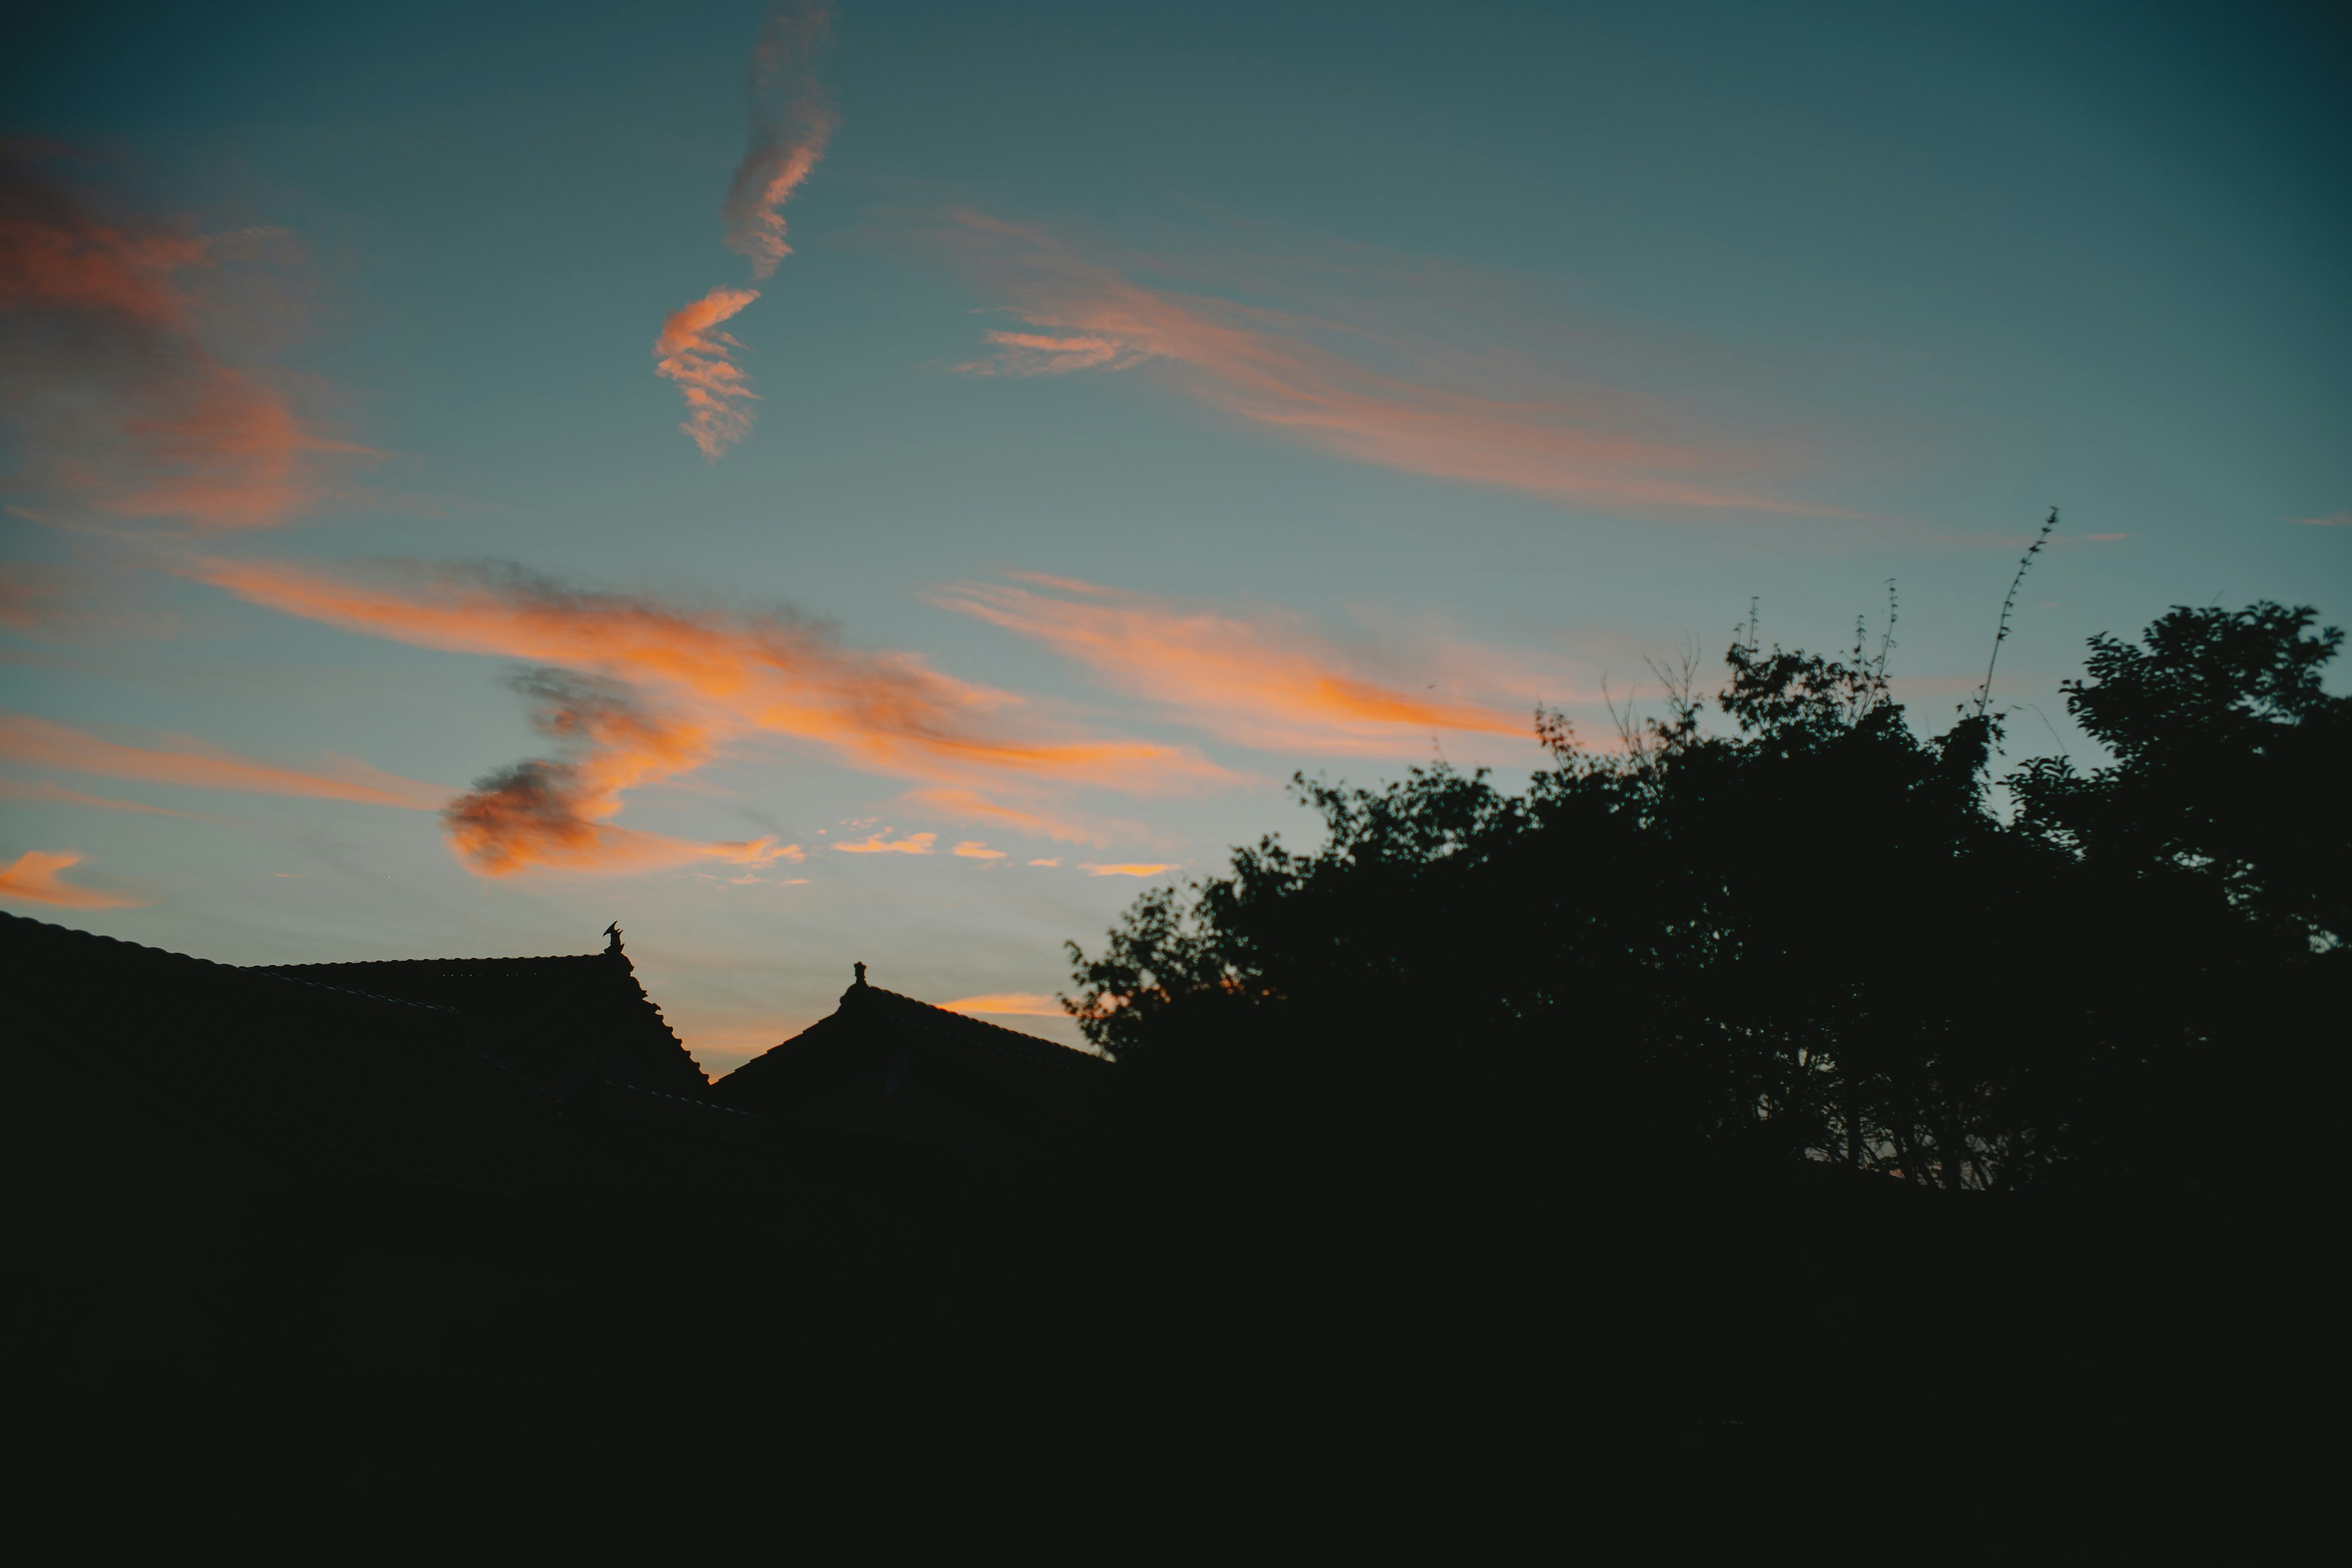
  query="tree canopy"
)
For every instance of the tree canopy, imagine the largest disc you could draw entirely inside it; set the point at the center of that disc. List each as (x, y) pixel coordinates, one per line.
(1818, 936)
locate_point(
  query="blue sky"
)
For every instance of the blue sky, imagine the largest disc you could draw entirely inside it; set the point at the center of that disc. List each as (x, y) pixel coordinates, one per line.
(1358, 378)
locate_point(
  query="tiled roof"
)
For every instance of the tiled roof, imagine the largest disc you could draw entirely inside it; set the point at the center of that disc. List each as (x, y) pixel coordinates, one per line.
(318, 1082)
(557, 1021)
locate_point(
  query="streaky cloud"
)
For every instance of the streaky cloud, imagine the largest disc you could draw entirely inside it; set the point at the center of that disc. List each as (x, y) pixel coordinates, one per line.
(1264, 680)
(792, 118)
(125, 406)
(57, 794)
(35, 878)
(1307, 378)
(639, 691)
(693, 352)
(45, 743)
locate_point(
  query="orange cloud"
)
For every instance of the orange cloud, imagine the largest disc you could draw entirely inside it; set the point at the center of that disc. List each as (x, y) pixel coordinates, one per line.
(1054, 861)
(1127, 868)
(737, 675)
(110, 369)
(34, 878)
(974, 849)
(691, 353)
(874, 844)
(1272, 369)
(1009, 1003)
(44, 742)
(793, 119)
(1266, 682)
(543, 812)
(2333, 519)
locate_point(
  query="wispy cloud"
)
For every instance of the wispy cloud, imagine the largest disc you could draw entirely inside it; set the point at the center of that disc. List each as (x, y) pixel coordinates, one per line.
(666, 687)
(1266, 680)
(876, 844)
(1125, 869)
(694, 353)
(190, 762)
(111, 368)
(56, 793)
(1009, 1003)
(2333, 519)
(34, 877)
(1317, 380)
(974, 849)
(1032, 819)
(791, 120)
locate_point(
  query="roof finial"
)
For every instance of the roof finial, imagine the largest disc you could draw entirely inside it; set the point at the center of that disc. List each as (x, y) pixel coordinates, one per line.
(614, 931)
(861, 973)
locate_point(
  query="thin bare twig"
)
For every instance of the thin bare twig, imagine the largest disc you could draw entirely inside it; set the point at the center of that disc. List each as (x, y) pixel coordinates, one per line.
(2024, 564)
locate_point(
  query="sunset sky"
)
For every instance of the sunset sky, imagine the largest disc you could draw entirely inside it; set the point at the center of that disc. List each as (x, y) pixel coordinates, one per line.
(892, 483)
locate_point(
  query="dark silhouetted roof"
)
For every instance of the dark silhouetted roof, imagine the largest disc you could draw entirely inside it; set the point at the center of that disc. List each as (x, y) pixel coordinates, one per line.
(558, 1021)
(317, 1083)
(886, 1064)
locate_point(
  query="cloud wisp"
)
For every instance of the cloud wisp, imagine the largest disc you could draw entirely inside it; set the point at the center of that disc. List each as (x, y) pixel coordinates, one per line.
(110, 365)
(879, 844)
(35, 878)
(1267, 681)
(791, 120)
(1311, 379)
(57, 794)
(193, 764)
(641, 690)
(693, 352)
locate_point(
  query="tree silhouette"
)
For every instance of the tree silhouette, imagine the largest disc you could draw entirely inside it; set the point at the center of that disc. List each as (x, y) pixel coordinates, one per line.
(1814, 938)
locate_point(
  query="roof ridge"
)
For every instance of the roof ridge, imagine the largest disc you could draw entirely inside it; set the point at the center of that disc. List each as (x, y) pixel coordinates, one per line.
(389, 963)
(121, 941)
(982, 1023)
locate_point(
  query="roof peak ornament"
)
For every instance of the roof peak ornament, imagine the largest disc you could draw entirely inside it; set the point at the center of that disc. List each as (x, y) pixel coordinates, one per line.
(614, 932)
(861, 973)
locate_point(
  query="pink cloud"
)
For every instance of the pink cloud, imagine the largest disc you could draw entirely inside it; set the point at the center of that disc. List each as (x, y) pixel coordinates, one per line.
(2333, 519)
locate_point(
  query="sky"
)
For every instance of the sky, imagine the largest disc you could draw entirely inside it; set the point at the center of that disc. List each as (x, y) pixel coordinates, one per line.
(894, 482)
